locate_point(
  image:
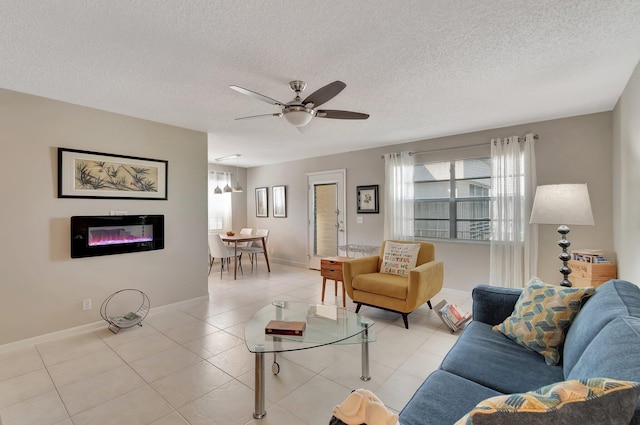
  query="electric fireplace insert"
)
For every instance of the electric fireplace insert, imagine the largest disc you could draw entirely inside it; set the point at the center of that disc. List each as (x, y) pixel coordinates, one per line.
(105, 235)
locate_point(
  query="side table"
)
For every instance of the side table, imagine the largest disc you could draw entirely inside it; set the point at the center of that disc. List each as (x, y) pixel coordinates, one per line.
(331, 268)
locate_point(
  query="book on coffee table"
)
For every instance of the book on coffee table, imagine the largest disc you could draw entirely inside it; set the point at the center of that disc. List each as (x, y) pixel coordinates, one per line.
(284, 327)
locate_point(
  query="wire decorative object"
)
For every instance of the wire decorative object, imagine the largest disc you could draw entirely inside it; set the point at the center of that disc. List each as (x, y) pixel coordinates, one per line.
(134, 301)
(356, 248)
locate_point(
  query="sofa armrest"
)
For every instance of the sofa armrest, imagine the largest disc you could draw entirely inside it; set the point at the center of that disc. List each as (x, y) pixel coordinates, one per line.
(355, 266)
(493, 304)
(425, 281)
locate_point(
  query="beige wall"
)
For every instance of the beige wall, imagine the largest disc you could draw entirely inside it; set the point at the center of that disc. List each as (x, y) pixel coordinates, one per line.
(41, 287)
(570, 150)
(626, 180)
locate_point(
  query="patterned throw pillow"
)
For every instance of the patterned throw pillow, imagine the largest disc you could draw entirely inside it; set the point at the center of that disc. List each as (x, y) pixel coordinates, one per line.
(399, 258)
(584, 402)
(541, 317)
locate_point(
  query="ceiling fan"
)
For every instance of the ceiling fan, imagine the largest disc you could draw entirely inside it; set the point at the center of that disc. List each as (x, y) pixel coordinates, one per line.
(299, 112)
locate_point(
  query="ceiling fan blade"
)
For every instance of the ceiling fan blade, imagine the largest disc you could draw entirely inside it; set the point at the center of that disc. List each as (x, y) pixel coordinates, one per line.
(341, 115)
(259, 116)
(325, 93)
(256, 95)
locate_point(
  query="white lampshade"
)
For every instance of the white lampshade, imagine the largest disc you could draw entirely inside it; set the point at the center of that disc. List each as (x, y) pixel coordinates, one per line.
(562, 204)
(299, 118)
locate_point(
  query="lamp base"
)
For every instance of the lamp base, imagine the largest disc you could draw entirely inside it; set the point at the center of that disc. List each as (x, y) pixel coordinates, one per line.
(564, 255)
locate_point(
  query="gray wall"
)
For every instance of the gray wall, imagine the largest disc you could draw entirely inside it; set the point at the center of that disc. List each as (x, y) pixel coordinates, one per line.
(41, 287)
(570, 150)
(626, 180)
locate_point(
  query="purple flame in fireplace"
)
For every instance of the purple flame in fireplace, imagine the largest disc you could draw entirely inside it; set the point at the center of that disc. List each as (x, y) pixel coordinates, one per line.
(114, 235)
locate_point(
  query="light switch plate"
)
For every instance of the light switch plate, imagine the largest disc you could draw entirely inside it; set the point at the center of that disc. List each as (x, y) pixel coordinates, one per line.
(360, 219)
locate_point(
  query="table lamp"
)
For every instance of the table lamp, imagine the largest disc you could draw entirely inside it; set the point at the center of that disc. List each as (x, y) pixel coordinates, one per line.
(562, 204)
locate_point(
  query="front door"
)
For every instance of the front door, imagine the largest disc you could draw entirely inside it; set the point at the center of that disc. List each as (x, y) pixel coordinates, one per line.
(327, 229)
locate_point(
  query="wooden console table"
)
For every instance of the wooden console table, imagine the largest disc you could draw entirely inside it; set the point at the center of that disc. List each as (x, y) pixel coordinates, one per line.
(331, 268)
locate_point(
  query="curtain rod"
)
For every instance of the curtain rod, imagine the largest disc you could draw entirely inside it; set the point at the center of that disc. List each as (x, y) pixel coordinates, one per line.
(520, 139)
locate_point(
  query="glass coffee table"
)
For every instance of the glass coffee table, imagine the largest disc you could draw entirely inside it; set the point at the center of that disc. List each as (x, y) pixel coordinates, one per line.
(325, 325)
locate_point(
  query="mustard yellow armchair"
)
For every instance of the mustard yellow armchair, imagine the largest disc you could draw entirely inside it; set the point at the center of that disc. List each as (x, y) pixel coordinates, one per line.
(365, 285)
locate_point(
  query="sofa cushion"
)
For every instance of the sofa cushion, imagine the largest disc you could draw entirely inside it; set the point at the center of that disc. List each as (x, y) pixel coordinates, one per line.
(612, 299)
(591, 401)
(614, 352)
(382, 284)
(399, 258)
(493, 360)
(541, 317)
(493, 304)
(443, 398)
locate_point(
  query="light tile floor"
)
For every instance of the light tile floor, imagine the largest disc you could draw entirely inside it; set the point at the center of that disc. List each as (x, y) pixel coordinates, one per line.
(188, 364)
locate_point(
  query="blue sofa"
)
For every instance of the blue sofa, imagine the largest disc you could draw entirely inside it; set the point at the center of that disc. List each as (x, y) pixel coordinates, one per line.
(603, 341)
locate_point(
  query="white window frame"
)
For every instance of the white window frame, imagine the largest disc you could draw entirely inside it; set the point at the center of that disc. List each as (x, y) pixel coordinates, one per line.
(453, 203)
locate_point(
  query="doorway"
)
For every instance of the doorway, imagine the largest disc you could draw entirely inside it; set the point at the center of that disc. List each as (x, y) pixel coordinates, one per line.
(327, 224)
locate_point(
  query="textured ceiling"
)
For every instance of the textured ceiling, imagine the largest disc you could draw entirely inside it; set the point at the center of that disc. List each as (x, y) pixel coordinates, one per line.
(420, 68)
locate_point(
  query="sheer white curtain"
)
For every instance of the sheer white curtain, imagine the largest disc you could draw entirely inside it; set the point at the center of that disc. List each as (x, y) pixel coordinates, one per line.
(219, 204)
(514, 242)
(398, 196)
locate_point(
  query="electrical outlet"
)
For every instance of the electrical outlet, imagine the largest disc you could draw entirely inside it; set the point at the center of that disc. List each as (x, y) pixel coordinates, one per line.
(86, 304)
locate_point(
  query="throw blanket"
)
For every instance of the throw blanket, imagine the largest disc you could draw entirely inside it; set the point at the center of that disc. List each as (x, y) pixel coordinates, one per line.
(363, 407)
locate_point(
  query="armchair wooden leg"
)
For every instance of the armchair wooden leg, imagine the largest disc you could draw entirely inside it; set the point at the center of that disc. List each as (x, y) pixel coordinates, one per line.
(405, 318)
(429, 304)
(358, 307)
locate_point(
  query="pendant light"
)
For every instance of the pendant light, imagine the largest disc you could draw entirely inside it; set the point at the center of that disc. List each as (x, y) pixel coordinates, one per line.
(217, 190)
(227, 188)
(237, 187)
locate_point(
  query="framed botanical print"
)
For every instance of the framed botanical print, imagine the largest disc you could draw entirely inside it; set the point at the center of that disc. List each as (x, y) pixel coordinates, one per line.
(85, 174)
(279, 199)
(262, 202)
(368, 199)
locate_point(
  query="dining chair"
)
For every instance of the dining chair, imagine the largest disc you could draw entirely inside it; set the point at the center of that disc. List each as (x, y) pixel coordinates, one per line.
(245, 231)
(256, 247)
(217, 249)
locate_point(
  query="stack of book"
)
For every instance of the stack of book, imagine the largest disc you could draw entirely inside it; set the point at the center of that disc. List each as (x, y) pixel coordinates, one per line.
(594, 256)
(451, 315)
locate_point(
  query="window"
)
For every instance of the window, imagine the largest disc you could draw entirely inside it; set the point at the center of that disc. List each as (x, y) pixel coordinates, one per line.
(219, 204)
(451, 199)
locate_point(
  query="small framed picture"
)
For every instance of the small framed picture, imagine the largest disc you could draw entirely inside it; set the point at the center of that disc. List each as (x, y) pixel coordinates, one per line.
(262, 202)
(368, 199)
(279, 198)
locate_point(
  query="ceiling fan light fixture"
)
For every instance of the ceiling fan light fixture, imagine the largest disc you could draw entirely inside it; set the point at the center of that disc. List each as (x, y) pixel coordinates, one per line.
(298, 116)
(299, 112)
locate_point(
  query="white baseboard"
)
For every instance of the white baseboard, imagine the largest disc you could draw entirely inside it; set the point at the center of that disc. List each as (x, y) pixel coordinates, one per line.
(456, 292)
(79, 330)
(289, 263)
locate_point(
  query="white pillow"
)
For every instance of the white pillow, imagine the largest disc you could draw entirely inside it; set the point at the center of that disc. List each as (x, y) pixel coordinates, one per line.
(399, 258)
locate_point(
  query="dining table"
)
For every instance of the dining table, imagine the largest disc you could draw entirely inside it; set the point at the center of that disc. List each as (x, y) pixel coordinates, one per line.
(245, 238)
